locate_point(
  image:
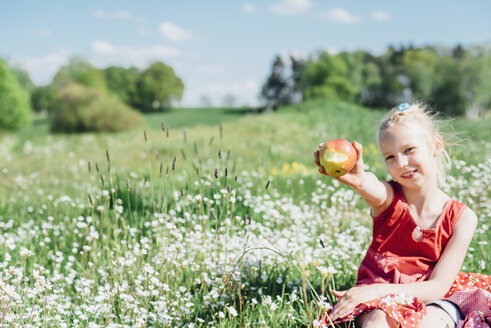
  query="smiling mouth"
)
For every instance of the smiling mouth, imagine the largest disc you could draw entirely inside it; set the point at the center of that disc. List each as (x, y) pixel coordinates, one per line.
(408, 174)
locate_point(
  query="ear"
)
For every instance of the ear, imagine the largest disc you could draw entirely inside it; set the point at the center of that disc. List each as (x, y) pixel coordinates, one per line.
(438, 145)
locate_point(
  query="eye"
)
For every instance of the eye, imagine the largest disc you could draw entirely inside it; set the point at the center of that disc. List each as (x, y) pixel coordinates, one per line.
(410, 149)
(389, 157)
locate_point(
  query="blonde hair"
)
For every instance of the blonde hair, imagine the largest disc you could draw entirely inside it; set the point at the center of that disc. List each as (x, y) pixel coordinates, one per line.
(419, 118)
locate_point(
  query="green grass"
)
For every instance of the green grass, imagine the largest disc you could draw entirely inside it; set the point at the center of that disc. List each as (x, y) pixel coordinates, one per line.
(173, 118)
(189, 117)
(179, 228)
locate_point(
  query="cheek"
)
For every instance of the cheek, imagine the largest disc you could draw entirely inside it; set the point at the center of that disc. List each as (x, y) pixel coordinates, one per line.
(390, 166)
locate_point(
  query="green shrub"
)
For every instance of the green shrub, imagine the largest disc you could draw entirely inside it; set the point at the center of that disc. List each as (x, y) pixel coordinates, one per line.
(82, 109)
(15, 109)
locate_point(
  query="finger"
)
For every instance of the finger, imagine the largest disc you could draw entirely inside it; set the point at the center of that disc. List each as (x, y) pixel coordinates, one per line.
(339, 312)
(334, 314)
(320, 145)
(322, 171)
(359, 153)
(339, 294)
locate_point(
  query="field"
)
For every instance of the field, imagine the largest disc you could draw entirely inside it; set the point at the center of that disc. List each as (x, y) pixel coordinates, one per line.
(185, 224)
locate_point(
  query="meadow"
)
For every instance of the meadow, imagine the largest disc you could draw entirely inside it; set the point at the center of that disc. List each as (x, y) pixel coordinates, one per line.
(206, 218)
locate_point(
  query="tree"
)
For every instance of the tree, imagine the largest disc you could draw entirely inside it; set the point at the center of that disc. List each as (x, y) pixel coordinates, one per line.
(229, 100)
(284, 85)
(23, 78)
(159, 88)
(80, 109)
(370, 94)
(327, 77)
(79, 71)
(356, 67)
(15, 109)
(276, 91)
(205, 101)
(420, 67)
(43, 98)
(447, 96)
(297, 70)
(394, 82)
(123, 83)
(476, 80)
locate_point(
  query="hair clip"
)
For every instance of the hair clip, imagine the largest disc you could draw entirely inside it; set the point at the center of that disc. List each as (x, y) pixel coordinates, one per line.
(402, 107)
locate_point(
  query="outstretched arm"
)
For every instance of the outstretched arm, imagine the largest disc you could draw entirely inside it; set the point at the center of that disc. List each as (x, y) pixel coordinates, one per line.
(377, 194)
(434, 288)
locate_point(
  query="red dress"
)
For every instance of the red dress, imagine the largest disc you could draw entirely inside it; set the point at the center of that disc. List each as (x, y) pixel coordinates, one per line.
(401, 252)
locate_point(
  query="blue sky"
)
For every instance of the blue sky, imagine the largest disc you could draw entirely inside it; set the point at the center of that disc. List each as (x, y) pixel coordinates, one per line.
(223, 47)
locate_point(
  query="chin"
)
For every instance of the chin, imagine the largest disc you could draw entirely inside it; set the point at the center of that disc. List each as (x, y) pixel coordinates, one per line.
(413, 183)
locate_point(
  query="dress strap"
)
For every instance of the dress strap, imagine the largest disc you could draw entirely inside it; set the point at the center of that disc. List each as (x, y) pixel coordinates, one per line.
(396, 187)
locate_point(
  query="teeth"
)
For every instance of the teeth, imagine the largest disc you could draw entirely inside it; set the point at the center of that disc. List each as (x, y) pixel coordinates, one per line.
(407, 174)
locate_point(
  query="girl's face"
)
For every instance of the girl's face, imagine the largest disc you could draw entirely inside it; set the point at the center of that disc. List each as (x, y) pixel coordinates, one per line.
(410, 157)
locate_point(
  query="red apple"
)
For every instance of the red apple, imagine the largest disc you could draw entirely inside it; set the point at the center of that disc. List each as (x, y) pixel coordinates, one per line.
(337, 156)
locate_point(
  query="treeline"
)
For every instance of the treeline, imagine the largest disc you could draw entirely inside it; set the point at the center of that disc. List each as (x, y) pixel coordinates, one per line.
(82, 98)
(456, 81)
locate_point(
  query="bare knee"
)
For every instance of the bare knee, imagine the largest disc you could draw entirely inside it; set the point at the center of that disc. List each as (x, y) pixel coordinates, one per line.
(375, 318)
(436, 317)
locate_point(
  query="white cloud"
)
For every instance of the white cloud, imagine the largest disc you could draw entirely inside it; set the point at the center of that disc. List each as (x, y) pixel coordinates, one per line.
(102, 47)
(290, 7)
(339, 15)
(42, 69)
(173, 32)
(248, 8)
(110, 54)
(379, 15)
(115, 15)
(332, 50)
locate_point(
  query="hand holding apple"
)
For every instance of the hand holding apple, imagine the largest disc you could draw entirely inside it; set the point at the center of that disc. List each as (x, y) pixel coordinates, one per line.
(337, 157)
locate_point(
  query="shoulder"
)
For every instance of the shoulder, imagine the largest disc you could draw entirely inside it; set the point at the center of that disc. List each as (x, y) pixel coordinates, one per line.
(391, 188)
(467, 223)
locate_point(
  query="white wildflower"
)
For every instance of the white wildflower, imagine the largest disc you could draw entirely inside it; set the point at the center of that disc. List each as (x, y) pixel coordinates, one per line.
(24, 252)
(232, 311)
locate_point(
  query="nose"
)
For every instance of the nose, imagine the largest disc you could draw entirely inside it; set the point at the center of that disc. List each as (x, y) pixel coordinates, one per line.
(401, 161)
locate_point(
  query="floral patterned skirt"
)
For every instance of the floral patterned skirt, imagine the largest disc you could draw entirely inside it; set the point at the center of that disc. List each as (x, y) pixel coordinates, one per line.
(471, 292)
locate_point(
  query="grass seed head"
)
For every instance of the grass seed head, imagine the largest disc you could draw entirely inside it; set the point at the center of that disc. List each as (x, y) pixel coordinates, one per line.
(91, 201)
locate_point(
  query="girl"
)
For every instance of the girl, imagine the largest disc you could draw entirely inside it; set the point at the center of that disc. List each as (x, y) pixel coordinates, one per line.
(420, 234)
